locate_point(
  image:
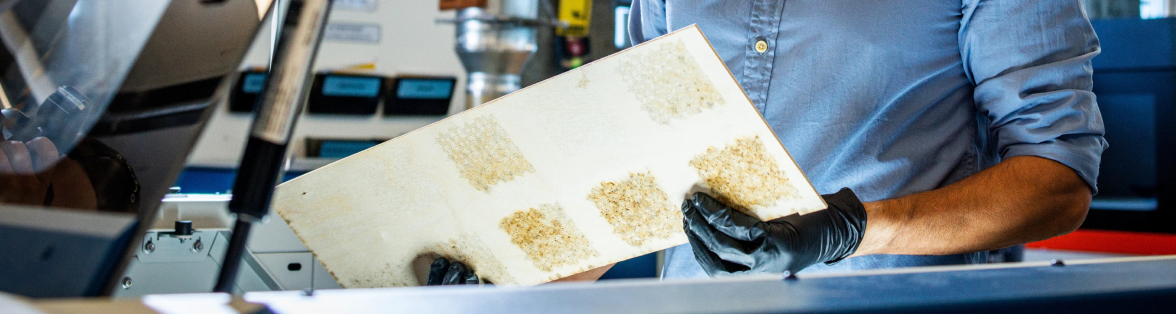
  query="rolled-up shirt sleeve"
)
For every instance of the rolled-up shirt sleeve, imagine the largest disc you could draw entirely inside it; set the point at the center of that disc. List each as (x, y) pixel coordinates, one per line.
(647, 20)
(1030, 63)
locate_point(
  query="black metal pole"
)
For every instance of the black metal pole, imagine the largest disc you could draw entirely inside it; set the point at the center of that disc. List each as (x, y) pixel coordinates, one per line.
(287, 84)
(228, 275)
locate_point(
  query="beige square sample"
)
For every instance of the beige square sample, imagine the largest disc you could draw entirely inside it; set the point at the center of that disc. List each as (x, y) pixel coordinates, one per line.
(548, 237)
(668, 82)
(743, 175)
(483, 153)
(637, 209)
(576, 172)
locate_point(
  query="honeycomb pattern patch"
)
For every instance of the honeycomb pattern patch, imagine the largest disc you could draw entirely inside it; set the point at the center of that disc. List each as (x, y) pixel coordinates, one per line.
(548, 237)
(483, 153)
(744, 175)
(637, 209)
(469, 250)
(668, 83)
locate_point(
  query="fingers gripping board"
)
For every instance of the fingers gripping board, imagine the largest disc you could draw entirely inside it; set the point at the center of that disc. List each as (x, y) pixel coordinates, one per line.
(576, 172)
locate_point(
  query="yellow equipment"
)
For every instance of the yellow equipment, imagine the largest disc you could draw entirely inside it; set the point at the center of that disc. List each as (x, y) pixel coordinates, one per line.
(577, 14)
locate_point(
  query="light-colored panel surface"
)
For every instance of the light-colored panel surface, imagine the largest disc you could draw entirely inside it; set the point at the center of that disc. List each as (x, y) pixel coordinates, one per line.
(273, 236)
(168, 277)
(277, 265)
(14, 304)
(322, 279)
(513, 187)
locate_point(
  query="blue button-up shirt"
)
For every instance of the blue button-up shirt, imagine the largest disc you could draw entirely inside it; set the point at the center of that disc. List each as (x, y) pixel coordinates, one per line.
(891, 98)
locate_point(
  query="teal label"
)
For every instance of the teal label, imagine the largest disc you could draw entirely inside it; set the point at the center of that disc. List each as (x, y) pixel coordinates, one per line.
(340, 149)
(351, 86)
(424, 89)
(253, 83)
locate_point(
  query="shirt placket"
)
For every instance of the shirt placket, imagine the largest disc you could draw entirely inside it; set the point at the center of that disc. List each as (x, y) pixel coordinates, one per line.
(761, 50)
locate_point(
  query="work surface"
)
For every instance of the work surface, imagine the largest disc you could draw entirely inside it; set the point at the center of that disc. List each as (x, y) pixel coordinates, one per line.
(1131, 285)
(1122, 285)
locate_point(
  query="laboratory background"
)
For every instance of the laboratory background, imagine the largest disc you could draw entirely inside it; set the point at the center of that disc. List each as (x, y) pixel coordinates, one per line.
(171, 122)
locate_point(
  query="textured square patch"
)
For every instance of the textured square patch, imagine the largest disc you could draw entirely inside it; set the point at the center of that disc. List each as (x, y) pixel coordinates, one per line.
(484, 153)
(744, 175)
(637, 209)
(668, 83)
(548, 237)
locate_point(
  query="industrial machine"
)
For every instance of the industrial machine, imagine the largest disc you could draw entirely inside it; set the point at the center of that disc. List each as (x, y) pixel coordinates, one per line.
(120, 90)
(184, 247)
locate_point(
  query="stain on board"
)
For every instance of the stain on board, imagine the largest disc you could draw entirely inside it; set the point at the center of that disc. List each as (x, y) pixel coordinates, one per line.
(548, 237)
(744, 175)
(637, 209)
(583, 82)
(669, 83)
(484, 153)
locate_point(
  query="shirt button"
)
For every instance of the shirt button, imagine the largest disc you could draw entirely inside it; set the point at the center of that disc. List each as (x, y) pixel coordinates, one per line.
(761, 46)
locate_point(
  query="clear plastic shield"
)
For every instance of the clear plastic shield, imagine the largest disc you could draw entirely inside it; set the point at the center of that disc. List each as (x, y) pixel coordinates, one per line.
(61, 64)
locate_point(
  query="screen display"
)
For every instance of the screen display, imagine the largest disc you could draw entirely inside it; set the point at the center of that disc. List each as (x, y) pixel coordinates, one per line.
(254, 82)
(340, 149)
(351, 86)
(424, 89)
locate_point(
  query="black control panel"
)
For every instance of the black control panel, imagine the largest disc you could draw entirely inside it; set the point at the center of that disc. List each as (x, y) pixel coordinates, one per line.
(419, 96)
(245, 93)
(347, 94)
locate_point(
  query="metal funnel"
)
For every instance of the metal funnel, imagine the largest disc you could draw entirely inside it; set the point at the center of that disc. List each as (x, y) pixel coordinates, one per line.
(494, 43)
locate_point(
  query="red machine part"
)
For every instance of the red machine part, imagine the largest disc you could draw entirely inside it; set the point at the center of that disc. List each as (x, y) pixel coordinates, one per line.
(1111, 242)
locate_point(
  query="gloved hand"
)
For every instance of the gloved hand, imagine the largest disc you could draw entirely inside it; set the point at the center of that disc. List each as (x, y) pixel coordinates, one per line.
(443, 273)
(726, 241)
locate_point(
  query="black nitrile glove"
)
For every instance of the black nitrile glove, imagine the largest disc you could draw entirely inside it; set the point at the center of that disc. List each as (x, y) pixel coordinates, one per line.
(726, 241)
(443, 273)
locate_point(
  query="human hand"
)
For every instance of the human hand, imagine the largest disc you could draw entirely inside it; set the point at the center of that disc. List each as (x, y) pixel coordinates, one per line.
(26, 170)
(444, 273)
(726, 241)
(33, 173)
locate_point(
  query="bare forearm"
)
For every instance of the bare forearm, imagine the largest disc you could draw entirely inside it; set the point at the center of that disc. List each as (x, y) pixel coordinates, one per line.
(1020, 200)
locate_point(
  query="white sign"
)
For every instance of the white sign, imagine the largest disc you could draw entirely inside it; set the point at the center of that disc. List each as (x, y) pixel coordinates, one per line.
(356, 5)
(354, 32)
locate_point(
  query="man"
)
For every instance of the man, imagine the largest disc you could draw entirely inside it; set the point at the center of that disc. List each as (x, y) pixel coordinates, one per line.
(958, 127)
(961, 126)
